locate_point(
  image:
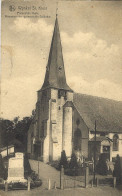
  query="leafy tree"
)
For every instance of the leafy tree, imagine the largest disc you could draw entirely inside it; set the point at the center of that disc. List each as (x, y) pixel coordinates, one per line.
(21, 130)
(15, 129)
(63, 160)
(6, 131)
(73, 162)
(117, 169)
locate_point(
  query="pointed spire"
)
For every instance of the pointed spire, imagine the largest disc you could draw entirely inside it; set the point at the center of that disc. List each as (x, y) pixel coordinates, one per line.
(55, 72)
(56, 9)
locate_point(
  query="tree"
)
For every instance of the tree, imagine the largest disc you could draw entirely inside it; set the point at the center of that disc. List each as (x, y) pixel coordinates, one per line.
(63, 160)
(73, 162)
(21, 130)
(7, 131)
(15, 129)
(117, 169)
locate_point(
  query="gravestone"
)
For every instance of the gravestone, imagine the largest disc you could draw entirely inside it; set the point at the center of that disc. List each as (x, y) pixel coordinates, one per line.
(16, 168)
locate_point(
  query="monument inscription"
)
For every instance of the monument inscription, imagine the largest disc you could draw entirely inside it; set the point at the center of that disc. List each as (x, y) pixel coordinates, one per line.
(16, 168)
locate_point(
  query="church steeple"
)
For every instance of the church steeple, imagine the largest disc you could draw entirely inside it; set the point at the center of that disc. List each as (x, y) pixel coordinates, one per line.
(55, 72)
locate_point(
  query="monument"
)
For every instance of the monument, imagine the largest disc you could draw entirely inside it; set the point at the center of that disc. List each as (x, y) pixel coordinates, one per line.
(16, 168)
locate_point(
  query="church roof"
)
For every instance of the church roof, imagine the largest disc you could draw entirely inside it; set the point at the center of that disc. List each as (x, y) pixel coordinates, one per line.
(106, 112)
(55, 72)
(100, 139)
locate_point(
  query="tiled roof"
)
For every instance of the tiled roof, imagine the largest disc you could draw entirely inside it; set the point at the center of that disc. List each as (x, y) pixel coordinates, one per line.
(107, 113)
(99, 139)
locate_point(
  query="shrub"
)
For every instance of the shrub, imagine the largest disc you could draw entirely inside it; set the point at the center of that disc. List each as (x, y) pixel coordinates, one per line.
(73, 162)
(54, 164)
(117, 169)
(63, 160)
(34, 176)
(101, 166)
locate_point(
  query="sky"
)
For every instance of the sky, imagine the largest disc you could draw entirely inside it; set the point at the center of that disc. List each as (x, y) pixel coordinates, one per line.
(91, 36)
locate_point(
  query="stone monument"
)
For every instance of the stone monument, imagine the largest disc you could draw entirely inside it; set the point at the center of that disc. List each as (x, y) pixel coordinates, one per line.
(16, 168)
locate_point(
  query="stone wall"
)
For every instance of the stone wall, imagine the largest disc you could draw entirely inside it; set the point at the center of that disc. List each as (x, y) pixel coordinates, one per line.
(51, 111)
(78, 123)
(67, 130)
(48, 125)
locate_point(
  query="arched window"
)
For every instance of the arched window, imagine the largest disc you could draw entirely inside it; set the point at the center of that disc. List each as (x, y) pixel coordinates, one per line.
(115, 142)
(77, 140)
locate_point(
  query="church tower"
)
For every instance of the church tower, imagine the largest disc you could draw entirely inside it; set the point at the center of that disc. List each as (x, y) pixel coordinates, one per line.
(49, 109)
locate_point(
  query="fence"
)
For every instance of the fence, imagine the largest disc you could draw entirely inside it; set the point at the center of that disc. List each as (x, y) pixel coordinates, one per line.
(106, 181)
(72, 180)
(76, 178)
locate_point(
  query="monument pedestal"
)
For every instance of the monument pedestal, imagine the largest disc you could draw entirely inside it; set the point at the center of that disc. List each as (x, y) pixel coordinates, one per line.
(16, 169)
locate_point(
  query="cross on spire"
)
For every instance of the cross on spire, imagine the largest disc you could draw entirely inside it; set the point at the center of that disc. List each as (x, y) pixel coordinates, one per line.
(56, 9)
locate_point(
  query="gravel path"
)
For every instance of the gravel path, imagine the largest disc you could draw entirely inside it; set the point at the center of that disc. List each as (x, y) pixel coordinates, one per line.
(46, 172)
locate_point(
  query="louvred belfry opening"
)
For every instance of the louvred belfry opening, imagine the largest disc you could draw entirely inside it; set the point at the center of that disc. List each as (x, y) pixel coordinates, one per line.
(55, 72)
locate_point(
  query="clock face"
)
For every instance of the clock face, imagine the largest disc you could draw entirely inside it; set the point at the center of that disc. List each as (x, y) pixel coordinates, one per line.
(60, 68)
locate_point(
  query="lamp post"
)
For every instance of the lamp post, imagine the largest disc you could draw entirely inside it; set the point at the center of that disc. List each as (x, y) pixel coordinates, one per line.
(38, 160)
(95, 153)
(7, 142)
(35, 142)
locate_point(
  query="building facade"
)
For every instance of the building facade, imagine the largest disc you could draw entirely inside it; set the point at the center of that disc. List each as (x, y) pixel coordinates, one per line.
(64, 120)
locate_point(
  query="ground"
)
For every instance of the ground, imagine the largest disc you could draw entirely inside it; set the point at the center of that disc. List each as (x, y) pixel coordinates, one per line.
(46, 172)
(101, 191)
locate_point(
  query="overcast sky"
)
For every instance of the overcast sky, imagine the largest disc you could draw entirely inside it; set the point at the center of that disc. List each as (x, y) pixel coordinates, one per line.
(91, 35)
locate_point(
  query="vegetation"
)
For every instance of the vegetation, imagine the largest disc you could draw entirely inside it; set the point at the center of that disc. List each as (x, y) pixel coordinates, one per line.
(101, 166)
(15, 131)
(63, 161)
(73, 162)
(117, 169)
(71, 167)
(2, 169)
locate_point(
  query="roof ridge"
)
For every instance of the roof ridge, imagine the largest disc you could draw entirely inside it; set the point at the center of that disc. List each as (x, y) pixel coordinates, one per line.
(95, 96)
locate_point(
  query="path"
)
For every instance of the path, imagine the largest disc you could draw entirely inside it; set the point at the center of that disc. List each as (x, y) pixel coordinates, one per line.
(46, 172)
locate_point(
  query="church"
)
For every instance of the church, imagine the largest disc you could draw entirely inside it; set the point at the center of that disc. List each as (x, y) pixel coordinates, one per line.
(65, 120)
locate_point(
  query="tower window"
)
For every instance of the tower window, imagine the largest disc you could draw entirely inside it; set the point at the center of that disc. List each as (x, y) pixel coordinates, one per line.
(62, 93)
(59, 108)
